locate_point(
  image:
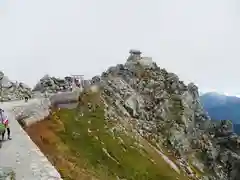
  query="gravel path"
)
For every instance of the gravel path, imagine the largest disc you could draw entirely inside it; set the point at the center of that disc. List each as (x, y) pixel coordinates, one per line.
(22, 154)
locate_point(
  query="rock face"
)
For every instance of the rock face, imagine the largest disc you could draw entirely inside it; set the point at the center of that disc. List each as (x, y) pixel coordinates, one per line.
(167, 112)
(7, 174)
(52, 84)
(10, 90)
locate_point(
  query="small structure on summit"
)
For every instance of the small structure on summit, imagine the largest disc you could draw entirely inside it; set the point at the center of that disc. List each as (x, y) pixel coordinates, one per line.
(134, 55)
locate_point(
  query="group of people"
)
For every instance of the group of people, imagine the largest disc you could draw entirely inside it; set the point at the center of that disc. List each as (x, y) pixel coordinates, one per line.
(4, 125)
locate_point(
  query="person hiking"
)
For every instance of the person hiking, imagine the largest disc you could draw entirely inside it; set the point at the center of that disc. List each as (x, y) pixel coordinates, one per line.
(26, 98)
(4, 121)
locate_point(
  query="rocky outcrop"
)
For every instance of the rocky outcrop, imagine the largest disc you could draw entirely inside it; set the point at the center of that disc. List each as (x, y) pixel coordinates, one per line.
(10, 90)
(167, 112)
(7, 174)
(52, 84)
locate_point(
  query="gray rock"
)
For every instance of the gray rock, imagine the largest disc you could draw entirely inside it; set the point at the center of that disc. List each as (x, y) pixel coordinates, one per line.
(7, 174)
(53, 84)
(10, 90)
(165, 108)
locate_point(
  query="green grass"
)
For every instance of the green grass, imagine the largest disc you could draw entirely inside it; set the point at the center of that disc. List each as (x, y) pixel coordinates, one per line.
(124, 158)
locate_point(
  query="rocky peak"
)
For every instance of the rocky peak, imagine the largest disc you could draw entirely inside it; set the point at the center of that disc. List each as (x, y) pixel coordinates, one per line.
(169, 113)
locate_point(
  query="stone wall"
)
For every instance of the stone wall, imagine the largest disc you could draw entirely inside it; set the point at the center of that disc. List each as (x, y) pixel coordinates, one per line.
(33, 111)
(21, 148)
(65, 97)
(38, 109)
(21, 154)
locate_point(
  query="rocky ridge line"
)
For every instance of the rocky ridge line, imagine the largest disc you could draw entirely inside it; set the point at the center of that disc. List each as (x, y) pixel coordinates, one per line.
(51, 84)
(168, 113)
(11, 91)
(163, 110)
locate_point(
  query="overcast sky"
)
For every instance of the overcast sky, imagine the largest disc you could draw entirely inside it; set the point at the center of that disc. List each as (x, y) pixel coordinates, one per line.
(196, 39)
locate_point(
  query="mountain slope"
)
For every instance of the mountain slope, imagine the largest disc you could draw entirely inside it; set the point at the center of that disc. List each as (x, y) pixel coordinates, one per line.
(96, 147)
(149, 107)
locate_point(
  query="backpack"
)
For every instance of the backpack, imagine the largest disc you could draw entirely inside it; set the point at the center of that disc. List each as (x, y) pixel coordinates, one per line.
(2, 125)
(2, 128)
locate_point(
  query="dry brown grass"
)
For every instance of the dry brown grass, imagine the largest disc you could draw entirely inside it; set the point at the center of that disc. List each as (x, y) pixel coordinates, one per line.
(82, 157)
(42, 133)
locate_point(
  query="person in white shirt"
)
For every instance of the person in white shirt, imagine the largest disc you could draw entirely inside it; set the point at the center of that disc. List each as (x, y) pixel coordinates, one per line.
(4, 120)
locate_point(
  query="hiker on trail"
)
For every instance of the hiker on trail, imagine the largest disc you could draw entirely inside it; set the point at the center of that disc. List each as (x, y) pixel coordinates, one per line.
(4, 121)
(26, 98)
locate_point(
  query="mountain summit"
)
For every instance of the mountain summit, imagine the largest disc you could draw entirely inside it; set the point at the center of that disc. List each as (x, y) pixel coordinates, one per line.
(160, 113)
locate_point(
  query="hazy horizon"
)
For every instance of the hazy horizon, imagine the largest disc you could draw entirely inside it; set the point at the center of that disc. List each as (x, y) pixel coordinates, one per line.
(197, 40)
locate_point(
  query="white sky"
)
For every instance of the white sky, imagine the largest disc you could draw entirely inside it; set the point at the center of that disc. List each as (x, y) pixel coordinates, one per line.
(198, 40)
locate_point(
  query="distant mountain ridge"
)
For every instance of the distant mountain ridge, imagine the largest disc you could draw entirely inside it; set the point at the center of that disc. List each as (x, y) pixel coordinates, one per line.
(213, 99)
(222, 107)
(236, 128)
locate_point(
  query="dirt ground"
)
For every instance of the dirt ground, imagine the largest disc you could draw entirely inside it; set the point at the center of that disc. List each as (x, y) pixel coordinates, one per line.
(42, 134)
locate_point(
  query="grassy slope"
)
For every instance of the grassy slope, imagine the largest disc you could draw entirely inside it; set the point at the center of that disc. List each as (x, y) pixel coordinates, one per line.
(83, 147)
